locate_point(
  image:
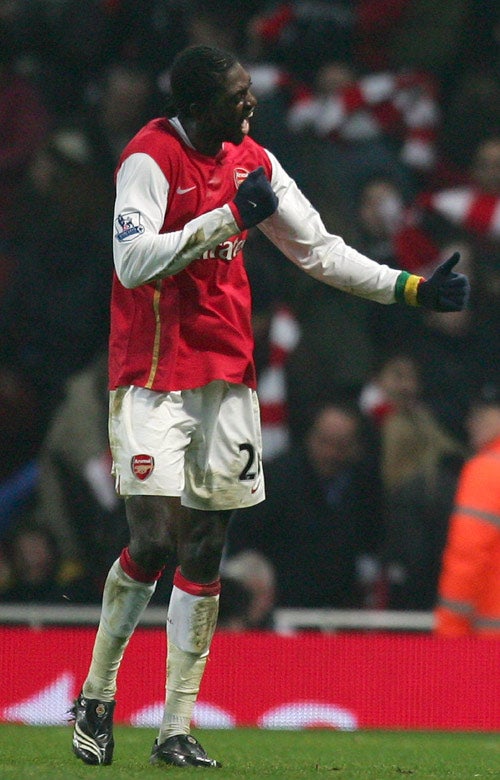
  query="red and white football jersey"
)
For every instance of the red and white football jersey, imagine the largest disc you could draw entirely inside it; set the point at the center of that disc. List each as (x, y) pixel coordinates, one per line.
(181, 301)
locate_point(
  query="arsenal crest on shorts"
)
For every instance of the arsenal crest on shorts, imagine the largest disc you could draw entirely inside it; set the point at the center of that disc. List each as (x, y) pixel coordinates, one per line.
(142, 466)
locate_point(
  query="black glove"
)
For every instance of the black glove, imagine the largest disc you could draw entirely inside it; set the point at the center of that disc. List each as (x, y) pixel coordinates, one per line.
(255, 199)
(446, 290)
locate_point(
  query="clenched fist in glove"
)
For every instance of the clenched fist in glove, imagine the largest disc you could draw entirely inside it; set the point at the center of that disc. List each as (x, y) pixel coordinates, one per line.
(255, 200)
(446, 290)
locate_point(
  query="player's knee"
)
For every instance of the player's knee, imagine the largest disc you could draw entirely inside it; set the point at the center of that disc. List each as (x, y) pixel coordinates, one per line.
(151, 541)
(201, 543)
(200, 558)
(150, 553)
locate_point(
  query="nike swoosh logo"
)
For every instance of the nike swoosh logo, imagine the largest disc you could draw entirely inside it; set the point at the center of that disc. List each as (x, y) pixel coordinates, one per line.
(181, 191)
(253, 204)
(255, 487)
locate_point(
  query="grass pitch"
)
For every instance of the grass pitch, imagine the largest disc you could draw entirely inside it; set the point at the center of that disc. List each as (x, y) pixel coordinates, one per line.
(45, 753)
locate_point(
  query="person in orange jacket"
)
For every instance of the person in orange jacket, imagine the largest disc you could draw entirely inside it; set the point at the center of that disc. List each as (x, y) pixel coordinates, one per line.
(469, 585)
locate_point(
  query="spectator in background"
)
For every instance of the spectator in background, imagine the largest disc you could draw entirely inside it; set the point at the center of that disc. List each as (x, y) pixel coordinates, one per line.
(221, 24)
(257, 575)
(455, 354)
(469, 584)
(376, 123)
(456, 357)
(471, 114)
(411, 438)
(468, 213)
(429, 37)
(299, 36)
(34, 560)
(379, 216)
(55, 313)
(416, 522)
(304, 35)
(117, 105)
(419, 463)
(333, 356)
(377, 23)
(304, 153)
(321, 516)
(75, 497)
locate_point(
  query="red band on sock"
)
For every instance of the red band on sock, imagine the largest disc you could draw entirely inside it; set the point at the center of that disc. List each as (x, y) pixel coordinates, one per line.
(135, 571)
(196, 588)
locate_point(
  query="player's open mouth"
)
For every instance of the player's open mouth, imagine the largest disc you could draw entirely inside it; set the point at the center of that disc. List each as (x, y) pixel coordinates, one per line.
(245, 125)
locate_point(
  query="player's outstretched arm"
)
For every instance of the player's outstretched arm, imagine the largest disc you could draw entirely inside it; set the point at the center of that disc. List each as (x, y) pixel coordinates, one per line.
(297, 229)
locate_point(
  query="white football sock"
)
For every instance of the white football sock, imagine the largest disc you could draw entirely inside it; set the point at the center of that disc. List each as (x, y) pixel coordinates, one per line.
(124, 599)
(191, 624)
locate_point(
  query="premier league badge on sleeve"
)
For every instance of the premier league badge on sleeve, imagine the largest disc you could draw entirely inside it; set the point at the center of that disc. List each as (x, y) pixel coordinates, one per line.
(128, 226)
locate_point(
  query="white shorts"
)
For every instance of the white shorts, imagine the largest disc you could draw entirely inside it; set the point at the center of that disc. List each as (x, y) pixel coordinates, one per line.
(203, 445)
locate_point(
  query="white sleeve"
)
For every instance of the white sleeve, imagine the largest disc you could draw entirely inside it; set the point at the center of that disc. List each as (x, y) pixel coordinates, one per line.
(298, 231)
(141, 253)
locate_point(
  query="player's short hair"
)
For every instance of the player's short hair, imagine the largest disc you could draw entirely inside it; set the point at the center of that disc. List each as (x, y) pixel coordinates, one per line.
(196, 77)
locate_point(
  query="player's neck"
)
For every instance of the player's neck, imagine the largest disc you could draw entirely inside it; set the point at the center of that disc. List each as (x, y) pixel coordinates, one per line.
(203, 142)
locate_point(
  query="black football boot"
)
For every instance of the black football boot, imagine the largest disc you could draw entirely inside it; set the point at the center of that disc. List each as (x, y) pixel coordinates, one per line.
(181, 750)
(93, 730)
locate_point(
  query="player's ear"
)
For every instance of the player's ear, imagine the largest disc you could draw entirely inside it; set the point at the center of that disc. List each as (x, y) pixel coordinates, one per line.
(198, 112)
(205, 108)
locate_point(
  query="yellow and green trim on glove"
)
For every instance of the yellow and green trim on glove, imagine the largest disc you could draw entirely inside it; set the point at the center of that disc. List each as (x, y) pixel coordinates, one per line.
(407, 287)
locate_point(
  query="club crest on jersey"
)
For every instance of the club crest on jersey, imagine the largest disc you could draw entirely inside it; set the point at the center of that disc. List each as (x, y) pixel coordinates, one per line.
(128, 226)
(142, 466)
(240, 175)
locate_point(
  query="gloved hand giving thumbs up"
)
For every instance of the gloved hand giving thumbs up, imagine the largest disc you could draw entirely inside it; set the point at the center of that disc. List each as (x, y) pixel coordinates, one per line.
(446, 290)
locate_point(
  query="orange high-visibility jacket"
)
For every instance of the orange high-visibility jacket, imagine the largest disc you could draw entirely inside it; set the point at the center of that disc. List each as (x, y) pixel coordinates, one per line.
(469, 585)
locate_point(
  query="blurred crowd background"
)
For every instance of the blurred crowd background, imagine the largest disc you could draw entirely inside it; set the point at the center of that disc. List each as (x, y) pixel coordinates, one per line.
(387, 114)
